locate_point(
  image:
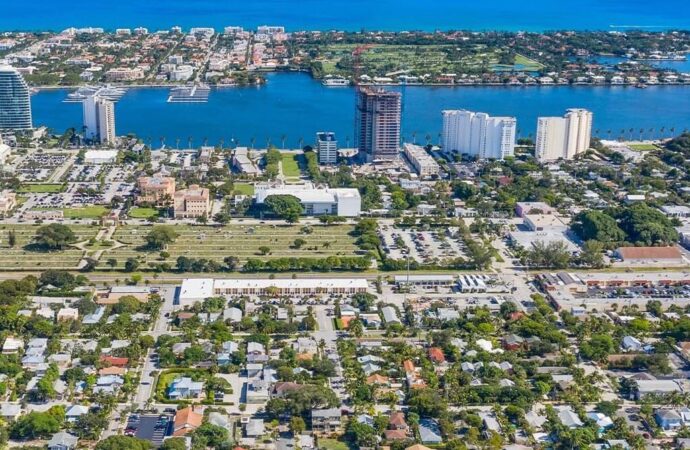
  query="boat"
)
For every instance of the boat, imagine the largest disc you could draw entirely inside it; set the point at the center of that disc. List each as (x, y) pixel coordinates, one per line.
(336, 82)
(108, 92)
(641, 86)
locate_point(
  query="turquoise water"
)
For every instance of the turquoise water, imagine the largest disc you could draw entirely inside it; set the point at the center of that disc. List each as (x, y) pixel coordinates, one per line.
(532, 15)
(295, 106)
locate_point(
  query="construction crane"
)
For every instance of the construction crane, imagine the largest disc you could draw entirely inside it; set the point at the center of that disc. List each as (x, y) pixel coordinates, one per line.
(357, 63)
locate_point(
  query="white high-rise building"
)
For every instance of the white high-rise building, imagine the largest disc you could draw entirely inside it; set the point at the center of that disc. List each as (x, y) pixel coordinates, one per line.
(99, 119)
(563, 137)
(15, 104)
(327, 147)
(479, 134)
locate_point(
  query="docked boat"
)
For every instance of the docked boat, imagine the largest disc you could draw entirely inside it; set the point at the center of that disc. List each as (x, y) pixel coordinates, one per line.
(336, 82)
(108, 92)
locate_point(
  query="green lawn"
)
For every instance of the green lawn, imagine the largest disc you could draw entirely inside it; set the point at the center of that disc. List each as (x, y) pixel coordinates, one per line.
(290, 165)
(23, 257)
(142, 213)
(642, 147)
(244, 189)
(242, 241)
(87, 212)
(48, 188)
(332, 444)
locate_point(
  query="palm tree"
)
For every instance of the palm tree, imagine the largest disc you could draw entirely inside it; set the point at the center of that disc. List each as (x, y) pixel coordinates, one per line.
(414, 137)
(609, 132)
(252, 140)
(661, 132)
(631, 130)
(428, 139)
(641, 132)
(282, 140)
(162, 141)
(301, 142)
(189, 142)
(177, 143)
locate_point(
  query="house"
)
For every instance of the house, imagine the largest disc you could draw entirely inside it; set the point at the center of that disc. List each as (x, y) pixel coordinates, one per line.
(257, 391)
(63, 441)
(668, 419)
(115, 361)
(390, 315)
(631, 344)
(254, 428)
(10, 411)
(67, 314)
(326, 420)
(75, 411)
(12, 345)
(568, 417)
(378, 380)
(185, 388)
(108, 384)
(436, 355)
(602, 420)
(233, 315)
(187, 420)
(513, 342)
(397, 422)
(429, 432)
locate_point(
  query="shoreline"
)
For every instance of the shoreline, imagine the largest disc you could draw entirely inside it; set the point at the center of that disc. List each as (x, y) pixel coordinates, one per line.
(430, 85)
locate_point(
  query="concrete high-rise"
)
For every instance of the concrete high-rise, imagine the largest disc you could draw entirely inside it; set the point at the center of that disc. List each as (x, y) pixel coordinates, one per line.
(15, 104)
(377, 127)
(327, 147)
(99, 119)
(479, 134)
(563, 137)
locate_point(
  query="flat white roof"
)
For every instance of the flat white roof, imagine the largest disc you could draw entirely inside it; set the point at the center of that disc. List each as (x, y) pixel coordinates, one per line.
(100, 154)
(332, 283)
(205, 287)
(196, 288)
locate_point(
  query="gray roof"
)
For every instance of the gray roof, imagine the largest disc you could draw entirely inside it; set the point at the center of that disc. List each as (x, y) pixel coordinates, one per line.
(63, 439)
(325, 413)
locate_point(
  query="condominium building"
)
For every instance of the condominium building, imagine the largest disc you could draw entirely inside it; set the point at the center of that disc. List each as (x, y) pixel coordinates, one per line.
(99, 119)
(15, 105)
(425, 165)
(327, 147)
(156, 190)
(479, 134)
(124, 74)
(378, 123)
(192, 202)
(563, 137)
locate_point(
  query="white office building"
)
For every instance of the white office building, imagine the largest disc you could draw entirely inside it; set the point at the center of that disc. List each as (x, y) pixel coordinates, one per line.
(342, 202)
(424, 164)
(327, 147)
(99, 119)
(479, 134)
(563, 137)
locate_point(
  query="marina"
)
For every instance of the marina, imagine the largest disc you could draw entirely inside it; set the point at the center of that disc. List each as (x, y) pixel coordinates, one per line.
(197, 93)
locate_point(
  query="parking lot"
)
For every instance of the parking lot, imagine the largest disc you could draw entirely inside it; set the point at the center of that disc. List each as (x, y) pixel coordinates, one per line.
(150, 427)
(421, 245)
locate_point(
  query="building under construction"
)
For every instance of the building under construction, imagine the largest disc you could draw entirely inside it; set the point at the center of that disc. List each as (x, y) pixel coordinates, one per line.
(378, 123)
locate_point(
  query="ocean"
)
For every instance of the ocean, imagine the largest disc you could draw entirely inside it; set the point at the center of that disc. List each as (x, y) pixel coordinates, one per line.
(352, 15)
(293, 106)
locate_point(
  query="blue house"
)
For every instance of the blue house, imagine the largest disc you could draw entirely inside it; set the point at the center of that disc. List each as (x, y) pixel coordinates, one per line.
(668, 419)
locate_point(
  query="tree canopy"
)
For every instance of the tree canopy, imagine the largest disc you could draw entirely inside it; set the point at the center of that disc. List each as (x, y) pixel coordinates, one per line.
(160, 236)
(55, 236)
(287, 207)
